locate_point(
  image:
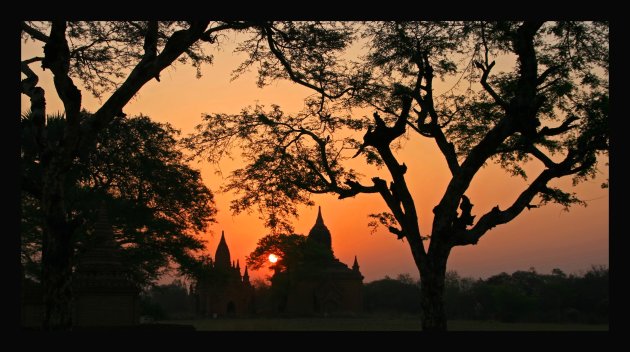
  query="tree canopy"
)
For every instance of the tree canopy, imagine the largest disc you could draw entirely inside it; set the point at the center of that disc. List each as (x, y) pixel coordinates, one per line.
(306, 151)
(157, 203)
(288, 249)
(545, 104)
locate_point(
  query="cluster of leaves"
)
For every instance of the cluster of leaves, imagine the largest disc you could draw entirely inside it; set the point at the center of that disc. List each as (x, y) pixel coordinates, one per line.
(295, 253)
(288, 249)
(284, 49)
(157, 204)
(286, 160)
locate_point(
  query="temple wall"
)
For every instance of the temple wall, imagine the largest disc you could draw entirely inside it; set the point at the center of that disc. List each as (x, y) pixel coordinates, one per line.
(306, 297)
(106, 310)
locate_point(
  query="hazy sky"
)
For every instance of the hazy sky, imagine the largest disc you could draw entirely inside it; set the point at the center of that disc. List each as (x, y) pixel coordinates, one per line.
(544, 238)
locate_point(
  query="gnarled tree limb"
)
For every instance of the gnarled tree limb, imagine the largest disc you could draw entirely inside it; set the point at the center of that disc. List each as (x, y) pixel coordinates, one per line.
(497, 217)
(34, 33)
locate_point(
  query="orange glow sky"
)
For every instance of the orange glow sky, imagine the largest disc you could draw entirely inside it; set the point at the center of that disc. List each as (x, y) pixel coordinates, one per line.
(543, 238)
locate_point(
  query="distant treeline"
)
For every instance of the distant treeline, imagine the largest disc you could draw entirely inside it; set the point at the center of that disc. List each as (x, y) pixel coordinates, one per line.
(523, 296)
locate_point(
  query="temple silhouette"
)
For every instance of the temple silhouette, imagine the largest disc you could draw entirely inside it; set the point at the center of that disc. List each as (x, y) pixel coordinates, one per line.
(220, 289)
(320, 284)
(104, 293)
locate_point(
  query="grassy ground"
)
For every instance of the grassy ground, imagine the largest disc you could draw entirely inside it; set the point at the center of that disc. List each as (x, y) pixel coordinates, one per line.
(369, 324)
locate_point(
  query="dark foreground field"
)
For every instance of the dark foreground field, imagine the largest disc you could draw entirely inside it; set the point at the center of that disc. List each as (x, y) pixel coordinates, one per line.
(371, 324)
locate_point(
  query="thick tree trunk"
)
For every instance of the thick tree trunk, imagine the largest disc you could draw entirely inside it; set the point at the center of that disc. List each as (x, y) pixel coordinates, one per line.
(432, 293)
(57, 254)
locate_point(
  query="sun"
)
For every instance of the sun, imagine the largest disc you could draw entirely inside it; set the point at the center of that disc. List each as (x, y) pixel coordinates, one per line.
(273, 258)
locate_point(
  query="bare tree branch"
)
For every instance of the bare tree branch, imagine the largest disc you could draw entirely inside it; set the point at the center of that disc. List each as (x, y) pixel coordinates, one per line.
(34, 33)
(207, 35)
(564, 127)
(396, 231)
(486, 86)
(31, 60)
(539, 185)
(485, 68)
(497, 217)
(425, 71)
(447, 149)
(550, 164)
(398, 194)
(355, 188)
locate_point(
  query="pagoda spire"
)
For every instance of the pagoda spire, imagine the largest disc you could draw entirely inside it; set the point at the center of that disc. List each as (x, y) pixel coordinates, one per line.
(222, 255)
(355, 266)
(320, 219)
(246, 276)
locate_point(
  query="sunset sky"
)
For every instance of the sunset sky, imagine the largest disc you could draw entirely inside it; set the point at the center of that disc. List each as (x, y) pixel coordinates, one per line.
(544, 238)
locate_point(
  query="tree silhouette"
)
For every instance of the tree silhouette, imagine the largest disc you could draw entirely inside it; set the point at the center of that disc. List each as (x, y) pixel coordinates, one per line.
(288, 248)
(550, 108)
(115, 58)
(156, 202)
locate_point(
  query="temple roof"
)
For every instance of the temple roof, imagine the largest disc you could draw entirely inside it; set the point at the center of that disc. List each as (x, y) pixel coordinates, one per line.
(222, 255)
(320, 233)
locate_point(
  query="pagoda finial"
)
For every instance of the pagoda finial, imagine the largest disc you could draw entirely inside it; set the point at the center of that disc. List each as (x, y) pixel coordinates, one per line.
(355, 266)
(320, 219)
(319, 232)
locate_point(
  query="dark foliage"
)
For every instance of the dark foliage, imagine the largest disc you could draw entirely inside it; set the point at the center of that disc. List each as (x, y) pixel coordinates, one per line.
(523, 296)
(392, 296)
(170, 301)
(528, 296)
(157, 204)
